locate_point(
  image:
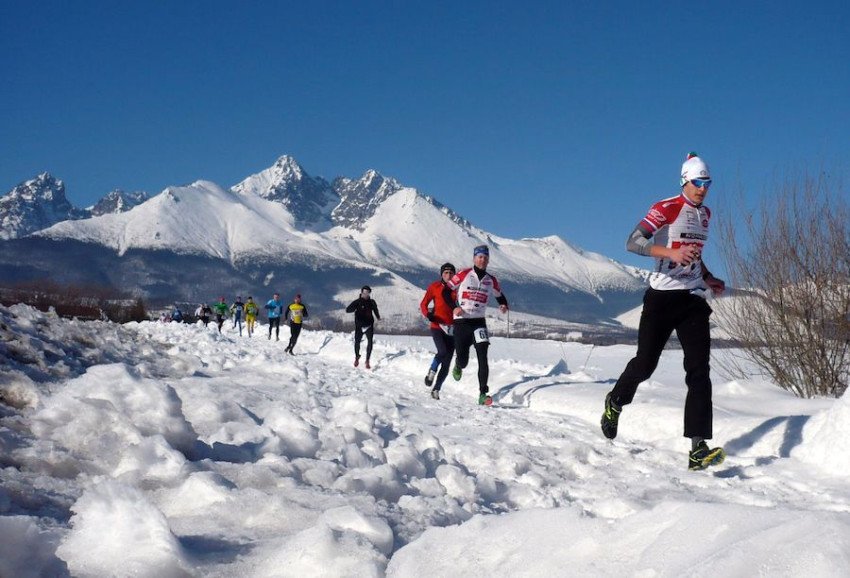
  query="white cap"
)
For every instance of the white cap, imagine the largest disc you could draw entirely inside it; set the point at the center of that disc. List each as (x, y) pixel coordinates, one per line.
(694, 168)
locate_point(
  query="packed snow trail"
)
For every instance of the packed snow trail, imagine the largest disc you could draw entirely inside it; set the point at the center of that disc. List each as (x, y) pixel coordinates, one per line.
(226, 456)
(446, 460)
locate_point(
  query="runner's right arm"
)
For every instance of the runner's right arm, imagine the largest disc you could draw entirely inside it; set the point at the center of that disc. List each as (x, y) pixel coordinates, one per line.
(423, 305)
(640, 241)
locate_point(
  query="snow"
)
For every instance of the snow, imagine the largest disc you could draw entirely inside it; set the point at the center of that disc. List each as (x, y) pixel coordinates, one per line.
(402, 230)
(170, 450)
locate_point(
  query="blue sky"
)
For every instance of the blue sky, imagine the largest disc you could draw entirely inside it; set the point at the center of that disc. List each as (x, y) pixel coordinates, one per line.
(529, 119)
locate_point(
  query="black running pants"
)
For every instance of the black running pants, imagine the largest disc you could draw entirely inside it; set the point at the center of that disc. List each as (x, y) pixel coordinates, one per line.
(294, 332)
(686, 314)
(274, 322)
(359, 332)
(464, 339)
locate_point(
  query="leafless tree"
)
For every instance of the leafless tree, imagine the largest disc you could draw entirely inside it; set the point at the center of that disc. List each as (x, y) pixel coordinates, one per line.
(790, 260)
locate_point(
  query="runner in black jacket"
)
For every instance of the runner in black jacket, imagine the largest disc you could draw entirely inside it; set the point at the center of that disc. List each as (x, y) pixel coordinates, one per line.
(365, 311)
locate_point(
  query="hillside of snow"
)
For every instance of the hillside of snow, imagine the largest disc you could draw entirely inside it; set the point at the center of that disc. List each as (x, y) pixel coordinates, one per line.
(282, 213)
(173, 450)
(200, 218)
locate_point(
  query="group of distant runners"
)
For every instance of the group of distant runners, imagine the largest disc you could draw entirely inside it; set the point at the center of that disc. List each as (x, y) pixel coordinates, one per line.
(294, 313)
(673, 233)
(454, 305)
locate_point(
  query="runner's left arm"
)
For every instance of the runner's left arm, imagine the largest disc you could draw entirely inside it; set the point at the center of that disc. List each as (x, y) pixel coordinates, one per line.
(500, 297)
(717, 286)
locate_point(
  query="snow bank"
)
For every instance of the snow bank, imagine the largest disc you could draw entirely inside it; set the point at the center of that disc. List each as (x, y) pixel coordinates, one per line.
(116, 531)
(27, 551)
(824, 436)
(343, 542)
(672, 539)
(215, 455)
(114, 421)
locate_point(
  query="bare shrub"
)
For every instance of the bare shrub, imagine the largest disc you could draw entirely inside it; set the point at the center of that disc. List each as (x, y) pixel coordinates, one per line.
(791, 260)
(84, 302)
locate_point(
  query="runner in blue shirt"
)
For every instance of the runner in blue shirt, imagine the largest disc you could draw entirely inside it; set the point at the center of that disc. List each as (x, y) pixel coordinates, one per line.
(274, 307)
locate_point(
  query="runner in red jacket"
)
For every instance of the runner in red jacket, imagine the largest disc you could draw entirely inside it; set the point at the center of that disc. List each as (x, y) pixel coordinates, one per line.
(441, 318)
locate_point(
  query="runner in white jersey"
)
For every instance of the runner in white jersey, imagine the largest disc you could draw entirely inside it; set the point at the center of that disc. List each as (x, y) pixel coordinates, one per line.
(674, 223)
(674, 232)
(474, 288)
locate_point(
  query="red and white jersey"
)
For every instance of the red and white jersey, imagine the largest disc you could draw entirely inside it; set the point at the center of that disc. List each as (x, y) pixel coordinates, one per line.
(474, 293)
(675, 222)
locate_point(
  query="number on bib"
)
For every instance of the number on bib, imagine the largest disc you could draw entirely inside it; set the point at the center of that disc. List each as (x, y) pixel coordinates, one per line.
(481, 335)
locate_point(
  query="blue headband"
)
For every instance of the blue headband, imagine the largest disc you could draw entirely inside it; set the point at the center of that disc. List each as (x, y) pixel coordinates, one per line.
(481, 250)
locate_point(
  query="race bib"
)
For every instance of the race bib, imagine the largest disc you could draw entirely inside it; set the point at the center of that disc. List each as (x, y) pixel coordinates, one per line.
(447, 329)
(481, 335)
(296, 317)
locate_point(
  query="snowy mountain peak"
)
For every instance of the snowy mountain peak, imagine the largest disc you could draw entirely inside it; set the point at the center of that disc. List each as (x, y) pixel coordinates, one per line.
(307, 198)
(288, 167)
(45, 187)
(378, 184)
(359, 199)
(118, 201)
(33, 205)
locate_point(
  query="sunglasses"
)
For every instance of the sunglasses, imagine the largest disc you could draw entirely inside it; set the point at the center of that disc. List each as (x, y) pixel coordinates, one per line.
(700, 183)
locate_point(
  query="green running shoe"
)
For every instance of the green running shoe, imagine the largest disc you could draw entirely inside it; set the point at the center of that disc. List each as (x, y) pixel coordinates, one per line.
(704, 457)
(485, 399)
(610, 417)
(457, 372)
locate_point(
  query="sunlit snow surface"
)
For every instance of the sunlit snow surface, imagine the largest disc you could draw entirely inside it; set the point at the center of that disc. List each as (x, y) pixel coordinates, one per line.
(170, 450)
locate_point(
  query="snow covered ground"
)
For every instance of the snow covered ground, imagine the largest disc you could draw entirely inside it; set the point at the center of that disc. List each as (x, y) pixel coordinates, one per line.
(170, 450)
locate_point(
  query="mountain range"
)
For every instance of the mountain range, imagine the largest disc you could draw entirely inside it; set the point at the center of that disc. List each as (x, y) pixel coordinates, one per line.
(41, 202)
(283, 229)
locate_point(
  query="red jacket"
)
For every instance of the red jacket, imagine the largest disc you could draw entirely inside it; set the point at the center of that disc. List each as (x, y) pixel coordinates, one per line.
(442, 310)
